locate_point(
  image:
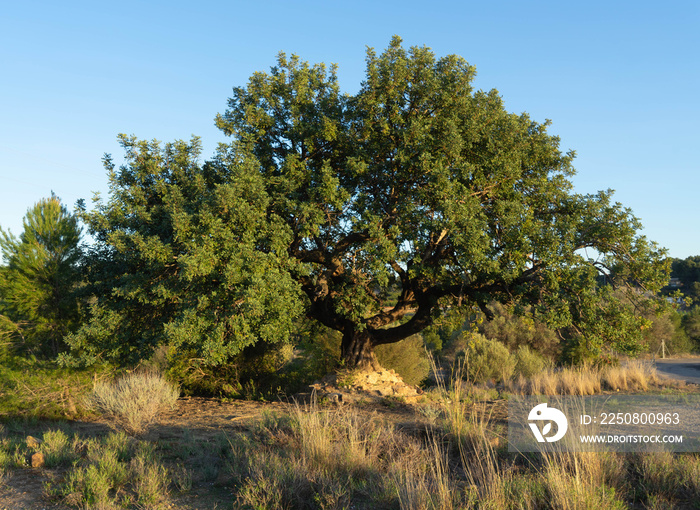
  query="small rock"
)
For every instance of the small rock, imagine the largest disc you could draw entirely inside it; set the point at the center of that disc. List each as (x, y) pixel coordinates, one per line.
(37, 460)
(33, 442)
(337, 398)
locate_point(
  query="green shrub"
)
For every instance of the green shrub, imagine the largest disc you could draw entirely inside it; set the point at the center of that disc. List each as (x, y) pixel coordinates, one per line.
(58, 448)
(486, 359)
(115, 472)
(528, 362)
(407, 358)
(691, 325)
(514, 330)
(151, 481)
(667, 328)
(259, 371)
(432, 340)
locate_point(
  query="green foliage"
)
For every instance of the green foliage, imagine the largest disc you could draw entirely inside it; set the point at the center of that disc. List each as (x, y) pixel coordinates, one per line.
(407, 358)
(433, 340)
(688, 272)
(418, 194)
(667, 327)
(515, 331)
(32, 388)
(113, 472)
(261, 371)
(486, 360)
(528, 362)
(383, 209)
(185, 256)
(619, 324)
(690, 323)
(38, 303)
(58, 448)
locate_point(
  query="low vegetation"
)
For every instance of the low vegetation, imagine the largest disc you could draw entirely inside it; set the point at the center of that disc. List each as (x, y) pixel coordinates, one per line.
(328, 457)
(31, 388)
(134, 400)
(588, 380)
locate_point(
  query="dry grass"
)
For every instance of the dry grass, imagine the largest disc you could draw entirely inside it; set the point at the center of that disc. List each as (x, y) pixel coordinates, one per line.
(330, 458)
(134, 400)
(588, 380)
(315, 458)
(635, 375)
(345, 457)
(582, 481)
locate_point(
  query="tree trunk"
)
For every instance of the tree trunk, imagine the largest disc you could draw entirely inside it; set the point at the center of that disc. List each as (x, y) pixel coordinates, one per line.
(358, 350)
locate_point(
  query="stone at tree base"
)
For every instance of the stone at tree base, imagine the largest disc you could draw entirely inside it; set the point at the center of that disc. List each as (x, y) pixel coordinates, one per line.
(359, 384)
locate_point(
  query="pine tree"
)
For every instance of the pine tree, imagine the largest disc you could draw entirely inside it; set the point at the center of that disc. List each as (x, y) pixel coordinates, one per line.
(38, 303)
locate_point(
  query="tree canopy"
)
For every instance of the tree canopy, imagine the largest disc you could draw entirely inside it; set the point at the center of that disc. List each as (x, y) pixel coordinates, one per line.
(374, 213)
(185, 256)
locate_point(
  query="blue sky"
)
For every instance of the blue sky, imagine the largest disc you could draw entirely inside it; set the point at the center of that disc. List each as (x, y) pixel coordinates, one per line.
(619, 80)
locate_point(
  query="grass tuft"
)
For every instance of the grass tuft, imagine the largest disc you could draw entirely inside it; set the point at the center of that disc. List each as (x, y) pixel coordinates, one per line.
(134, 400)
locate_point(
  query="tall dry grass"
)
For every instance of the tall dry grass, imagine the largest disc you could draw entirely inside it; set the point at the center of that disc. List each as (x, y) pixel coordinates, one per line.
(337, 458)
(328, 458)
(134, 400)
(634, 375)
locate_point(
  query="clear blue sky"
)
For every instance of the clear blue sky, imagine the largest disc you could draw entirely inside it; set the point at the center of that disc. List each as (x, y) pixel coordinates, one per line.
(619, 79)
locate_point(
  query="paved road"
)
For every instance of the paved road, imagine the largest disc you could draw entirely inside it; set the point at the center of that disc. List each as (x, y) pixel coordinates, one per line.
(684, 369)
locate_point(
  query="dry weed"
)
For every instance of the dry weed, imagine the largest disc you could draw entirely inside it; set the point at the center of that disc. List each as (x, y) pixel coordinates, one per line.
(134, 400)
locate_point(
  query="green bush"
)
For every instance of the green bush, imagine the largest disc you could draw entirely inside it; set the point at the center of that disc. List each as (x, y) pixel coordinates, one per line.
(690, 322)
(58, 448)
(110, 473)
(485, 359)
(668, 327)
(528, 362)
(407, 358)
(256, 372)
(514, 330)
(433, 340)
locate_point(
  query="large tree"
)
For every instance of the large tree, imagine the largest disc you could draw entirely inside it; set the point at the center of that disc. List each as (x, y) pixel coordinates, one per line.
(38, 302)
(421, 184)
(378, 211)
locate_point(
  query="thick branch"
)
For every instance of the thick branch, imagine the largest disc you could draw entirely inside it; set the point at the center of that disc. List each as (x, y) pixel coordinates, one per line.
(420, 320)
(330, 259)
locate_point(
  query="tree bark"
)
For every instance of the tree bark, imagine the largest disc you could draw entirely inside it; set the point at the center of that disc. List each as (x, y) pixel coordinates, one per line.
(358, 350)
